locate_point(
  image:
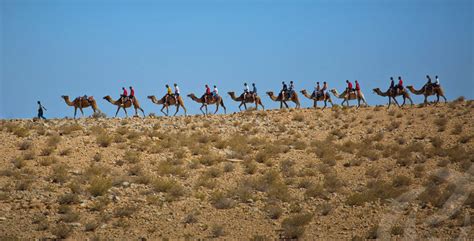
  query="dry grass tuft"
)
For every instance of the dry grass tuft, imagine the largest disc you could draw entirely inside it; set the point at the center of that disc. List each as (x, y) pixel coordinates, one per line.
(99, 186)
(104, 140)
(294, 226)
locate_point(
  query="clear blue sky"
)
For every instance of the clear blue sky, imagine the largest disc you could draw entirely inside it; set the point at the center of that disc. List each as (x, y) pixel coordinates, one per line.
(53, 48)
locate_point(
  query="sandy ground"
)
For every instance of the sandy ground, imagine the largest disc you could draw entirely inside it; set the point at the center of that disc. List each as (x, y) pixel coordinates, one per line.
(314, 174)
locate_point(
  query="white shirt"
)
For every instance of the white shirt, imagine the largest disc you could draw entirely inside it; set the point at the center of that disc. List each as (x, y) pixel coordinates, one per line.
(216, 91)
(176, 89)
(246, 88)
(437, 81)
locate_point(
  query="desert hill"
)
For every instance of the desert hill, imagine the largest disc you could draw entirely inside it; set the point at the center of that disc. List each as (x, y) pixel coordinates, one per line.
(340, 173)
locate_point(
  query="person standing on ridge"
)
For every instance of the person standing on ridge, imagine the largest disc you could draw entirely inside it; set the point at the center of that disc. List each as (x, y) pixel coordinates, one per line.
(40, 111)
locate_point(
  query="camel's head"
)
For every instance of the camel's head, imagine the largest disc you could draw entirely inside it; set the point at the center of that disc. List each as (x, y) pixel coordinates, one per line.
(150, 97)
(64, 96)
(190, 95)
(333, 90)
(410, 86)
(231, 93)
(303, 92)
(376, 90)
(106, 97)
(270, 93)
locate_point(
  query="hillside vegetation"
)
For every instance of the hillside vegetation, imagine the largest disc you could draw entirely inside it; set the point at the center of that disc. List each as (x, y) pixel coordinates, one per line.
(340, 173)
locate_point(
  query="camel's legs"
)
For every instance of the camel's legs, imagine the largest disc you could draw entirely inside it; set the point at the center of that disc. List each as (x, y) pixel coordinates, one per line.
(143, 112)
(184, 108)
(163, 111)
(202, 106)
(263, 107)
(315, 104)
(404, 99)
(438, 95)
(217, 108)
(126, 114)
(286, 104)
(223, 106)
(118, 109)
(396, 102)
(75, 111)
(82, 112)
(411, 101)
(206, 110)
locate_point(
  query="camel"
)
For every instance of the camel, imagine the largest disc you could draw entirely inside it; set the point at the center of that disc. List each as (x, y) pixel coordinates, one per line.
(128, 103)
(250, 99)
(351, 96)
(210, 101)
(438, 91)
(294, 98)
(318, 98)
(392, 95)
(171, 101)
(78, 103)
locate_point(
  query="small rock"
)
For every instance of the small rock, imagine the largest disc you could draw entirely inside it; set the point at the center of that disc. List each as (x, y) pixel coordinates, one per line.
(125, 184)
(75, 224)
(3, 218)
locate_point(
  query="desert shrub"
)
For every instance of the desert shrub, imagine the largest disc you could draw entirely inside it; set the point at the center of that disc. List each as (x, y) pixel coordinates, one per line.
(172, 188)
(401, 181)
(436, 142)
(97, 157)
(132, 156)
(70, 217)
(29, 155)
(299, 117)
(91, 226)
(326, 208)
(191, 217)
(229, 167)
(99, 115)
(250, 167)
(375, 190)
(419, 171)
(103, 140)
(47, 151)
(25, 145)
(18, 162)
(332, 183)
(59, 173)
(99, 186)
(272, 184)
(69, 128)
(457, 130)
(274, 211)
(65, 152)
(125, 211)
(294, 226)
(220, 201)
(213, 172)
(315, 191)
(396, 230)
(53, 141)
(217, 231)
(170, 167)
(393, 125)
(465, 138)
(23, 184)
(69, 198)
(62, 231)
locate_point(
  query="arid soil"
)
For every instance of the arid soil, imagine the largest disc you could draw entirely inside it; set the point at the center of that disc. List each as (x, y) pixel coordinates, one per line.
(340, 173)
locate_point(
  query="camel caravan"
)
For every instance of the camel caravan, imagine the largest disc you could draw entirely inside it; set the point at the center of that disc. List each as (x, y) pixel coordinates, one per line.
(250, 96)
